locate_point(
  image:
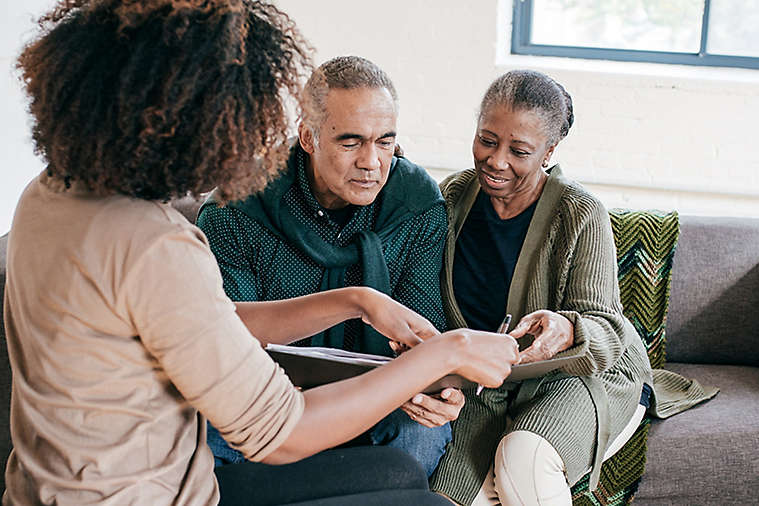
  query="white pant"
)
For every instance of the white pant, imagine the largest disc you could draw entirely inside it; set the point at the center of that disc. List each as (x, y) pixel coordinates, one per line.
(528, 471)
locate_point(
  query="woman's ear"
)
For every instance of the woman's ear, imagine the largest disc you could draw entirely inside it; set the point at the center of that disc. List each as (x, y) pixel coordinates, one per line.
(306, 138)
(547, 156)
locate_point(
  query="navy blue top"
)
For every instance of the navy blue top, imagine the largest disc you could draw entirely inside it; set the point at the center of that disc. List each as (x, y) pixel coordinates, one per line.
(487, 250)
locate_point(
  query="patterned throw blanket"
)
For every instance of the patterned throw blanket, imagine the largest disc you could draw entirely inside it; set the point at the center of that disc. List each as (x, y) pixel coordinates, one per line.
(646, 242)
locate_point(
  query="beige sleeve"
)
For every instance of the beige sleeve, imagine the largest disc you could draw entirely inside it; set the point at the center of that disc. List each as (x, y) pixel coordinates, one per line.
(173, 295)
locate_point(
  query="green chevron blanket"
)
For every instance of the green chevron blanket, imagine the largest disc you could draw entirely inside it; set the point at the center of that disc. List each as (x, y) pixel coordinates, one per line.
(646, 242)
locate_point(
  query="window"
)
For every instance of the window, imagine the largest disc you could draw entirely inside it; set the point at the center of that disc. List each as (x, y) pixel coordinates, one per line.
(691, 32)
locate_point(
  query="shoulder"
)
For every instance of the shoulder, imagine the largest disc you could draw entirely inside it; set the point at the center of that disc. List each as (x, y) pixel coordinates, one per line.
(410, 187)
(455, 184)
(147, 222)
(576, 204)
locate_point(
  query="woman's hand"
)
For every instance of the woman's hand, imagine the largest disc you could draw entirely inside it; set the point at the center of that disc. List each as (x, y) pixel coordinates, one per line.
(553, 334)
(394, 320)
(435, 410)
(483, 357)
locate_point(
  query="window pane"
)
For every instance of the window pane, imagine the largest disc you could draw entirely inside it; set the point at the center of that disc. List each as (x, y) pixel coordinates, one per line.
(734, 27)
(648, 25)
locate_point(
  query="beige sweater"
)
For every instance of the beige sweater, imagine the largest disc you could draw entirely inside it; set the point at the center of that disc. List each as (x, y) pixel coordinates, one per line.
(119, 334)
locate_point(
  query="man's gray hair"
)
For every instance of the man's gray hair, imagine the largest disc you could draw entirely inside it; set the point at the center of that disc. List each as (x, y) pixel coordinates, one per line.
(533, 91)
(342, 72)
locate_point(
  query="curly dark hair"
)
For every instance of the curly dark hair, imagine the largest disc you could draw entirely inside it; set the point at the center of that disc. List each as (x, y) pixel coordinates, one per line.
(159, 98)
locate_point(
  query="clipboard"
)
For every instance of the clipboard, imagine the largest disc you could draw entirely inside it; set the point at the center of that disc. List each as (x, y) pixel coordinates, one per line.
(310, 367)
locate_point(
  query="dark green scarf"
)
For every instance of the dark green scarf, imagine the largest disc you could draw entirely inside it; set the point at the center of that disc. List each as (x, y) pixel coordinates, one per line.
(409, 192)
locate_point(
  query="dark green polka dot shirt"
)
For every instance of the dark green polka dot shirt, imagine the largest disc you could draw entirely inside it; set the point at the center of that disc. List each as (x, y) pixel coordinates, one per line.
(256, 264)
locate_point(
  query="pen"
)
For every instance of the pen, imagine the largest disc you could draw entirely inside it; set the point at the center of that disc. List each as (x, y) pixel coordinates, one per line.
(502, 329)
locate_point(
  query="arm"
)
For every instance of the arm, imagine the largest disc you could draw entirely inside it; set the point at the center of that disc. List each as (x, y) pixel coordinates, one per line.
(418, 287)
(339, 411)
(589, 321)
(232, 238)
(285, 321)
(203, 349)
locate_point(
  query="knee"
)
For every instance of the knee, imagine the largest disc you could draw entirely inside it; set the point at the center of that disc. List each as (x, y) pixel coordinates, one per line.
(529, 471)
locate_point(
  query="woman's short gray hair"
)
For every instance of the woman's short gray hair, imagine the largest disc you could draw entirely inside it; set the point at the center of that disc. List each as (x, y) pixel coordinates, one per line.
(342, 72)
(533, 91)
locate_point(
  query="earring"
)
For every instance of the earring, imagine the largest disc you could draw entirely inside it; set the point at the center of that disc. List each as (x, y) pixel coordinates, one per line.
(545, 163)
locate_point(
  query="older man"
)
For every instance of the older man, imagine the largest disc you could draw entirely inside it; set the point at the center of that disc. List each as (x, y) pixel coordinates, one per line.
(345, 211)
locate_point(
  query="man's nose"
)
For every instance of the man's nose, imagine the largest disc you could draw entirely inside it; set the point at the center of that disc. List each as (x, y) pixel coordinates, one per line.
(369, 157)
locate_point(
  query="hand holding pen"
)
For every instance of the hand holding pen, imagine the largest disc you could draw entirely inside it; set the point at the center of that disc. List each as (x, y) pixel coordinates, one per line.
(502, 329)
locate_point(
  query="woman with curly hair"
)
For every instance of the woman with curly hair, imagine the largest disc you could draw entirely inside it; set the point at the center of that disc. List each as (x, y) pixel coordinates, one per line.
(120, 337)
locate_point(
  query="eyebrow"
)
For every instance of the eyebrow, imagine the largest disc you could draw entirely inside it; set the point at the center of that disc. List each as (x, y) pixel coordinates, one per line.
(517, 141)
(351, 136)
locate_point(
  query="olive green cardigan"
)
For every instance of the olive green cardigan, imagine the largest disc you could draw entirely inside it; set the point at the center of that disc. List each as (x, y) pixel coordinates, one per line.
(567, 265)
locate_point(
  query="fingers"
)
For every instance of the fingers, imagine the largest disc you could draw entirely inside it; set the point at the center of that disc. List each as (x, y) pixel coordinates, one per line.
(397, 347)
(415, 416)
(432, 412)
(535, 353)
(529, 324)
(554, 335)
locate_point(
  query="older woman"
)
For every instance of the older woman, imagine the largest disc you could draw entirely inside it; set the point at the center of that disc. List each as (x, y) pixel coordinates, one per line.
(120, 337)
(526, 241)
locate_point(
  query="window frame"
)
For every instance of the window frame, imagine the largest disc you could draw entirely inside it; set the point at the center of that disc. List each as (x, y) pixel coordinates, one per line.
(521, 44)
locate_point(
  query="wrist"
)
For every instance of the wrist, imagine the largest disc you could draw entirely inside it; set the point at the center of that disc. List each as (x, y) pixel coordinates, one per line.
(358, 299)
(453, 345)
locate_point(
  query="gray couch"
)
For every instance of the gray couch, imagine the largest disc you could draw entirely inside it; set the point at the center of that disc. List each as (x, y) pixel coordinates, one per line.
(707, 455)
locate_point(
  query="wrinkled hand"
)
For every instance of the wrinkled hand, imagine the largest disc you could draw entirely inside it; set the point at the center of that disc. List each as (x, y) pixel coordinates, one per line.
(553, 334)
(394, 320)
(435, 410)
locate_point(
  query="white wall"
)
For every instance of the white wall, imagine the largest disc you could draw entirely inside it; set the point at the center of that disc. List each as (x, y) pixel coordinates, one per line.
(646, 136)
(19, 164)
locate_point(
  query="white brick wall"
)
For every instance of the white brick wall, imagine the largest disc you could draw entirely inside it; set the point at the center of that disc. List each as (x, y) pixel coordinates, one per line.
(646, 135)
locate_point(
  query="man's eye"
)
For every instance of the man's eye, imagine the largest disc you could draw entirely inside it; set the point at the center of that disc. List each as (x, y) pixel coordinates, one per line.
(350, 145)
(387, 144)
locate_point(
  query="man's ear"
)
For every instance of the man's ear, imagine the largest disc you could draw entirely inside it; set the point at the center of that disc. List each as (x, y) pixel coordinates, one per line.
(306, 138)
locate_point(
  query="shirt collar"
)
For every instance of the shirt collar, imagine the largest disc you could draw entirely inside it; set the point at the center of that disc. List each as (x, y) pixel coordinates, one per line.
(304, 185)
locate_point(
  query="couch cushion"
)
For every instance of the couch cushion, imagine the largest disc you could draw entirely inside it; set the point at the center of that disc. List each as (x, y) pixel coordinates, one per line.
(708, 454)
(645, 243)
(715, 292)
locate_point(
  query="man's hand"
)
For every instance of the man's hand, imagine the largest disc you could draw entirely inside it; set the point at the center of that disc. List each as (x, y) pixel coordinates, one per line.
(553, 334)
(437, 410)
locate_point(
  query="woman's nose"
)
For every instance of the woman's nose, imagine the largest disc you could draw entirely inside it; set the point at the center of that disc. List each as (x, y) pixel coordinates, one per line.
(498, 161)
